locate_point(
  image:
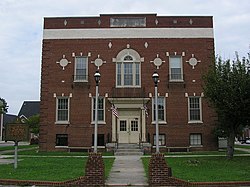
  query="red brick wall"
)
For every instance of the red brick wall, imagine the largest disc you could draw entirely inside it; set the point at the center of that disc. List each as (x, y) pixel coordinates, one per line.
(80, 129)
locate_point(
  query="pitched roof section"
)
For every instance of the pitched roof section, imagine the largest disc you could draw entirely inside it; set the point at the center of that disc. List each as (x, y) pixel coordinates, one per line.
(29, 108)
(9, 118)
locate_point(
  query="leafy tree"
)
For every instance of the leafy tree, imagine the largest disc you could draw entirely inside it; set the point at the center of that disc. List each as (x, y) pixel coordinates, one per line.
(3, 106)
(227, 87)
(33, 123)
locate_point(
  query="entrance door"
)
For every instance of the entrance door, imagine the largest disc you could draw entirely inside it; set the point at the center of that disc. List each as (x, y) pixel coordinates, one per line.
(128, 130)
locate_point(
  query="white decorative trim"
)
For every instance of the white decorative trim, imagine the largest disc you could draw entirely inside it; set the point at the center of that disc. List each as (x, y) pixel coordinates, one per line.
(166, 94)
(70, 94)
(63, 62)
(128, 33)
(110, 45)
(186, 94)
(54, 94)
(106, 95)
(90, 95)
(149, 94)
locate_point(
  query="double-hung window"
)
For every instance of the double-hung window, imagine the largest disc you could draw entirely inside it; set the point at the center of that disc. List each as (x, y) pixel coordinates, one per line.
(195, 139)
(100, 112)
(161, 109)
(128, 72)
(175, 68)
(81, 69)
(62, 110)
(194, 105)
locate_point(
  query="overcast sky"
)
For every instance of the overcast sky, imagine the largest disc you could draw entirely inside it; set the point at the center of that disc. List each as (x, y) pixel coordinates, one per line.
(21, 30)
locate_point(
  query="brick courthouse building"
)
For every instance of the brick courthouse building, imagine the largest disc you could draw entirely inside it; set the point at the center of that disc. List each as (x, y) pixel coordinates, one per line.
(127, 49)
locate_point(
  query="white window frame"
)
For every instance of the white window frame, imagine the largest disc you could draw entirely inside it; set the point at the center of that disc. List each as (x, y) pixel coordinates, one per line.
(164, 102)
(133, 73)
(170, 72)
(62, 146)
(161, 137)
(193, 138)
(92, 111)
(189, 110)
(81, 80)
(57, 102)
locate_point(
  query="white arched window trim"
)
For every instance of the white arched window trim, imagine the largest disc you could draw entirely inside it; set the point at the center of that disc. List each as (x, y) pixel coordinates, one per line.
(128, 68)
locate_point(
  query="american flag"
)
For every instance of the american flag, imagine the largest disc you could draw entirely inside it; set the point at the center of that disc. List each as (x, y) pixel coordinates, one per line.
(114, 111)
(146, 110)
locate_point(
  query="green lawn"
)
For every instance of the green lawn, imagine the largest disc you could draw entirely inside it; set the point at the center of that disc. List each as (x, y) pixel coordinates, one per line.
(208, 169)
(49, 169)
(5, 148)
(243, 146)
(35, 152)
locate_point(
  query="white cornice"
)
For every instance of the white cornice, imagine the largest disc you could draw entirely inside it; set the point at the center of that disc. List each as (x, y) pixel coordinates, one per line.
(107, 33)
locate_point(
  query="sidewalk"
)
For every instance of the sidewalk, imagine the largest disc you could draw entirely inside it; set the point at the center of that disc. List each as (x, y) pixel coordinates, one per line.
(127, 171)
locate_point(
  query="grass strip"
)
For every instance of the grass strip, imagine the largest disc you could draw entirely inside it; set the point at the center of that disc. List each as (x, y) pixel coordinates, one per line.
(208, 169)
(49, 169)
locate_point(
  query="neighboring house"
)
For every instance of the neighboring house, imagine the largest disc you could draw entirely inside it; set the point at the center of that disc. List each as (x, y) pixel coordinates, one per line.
(28, 109)
(7, 118)
(127, 49)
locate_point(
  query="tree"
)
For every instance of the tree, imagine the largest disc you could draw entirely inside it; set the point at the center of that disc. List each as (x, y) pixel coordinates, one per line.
(33, 123)
(3, 106)
(227, 87)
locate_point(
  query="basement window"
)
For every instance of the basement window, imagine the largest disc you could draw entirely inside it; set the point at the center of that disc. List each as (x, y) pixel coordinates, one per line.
(128, 22)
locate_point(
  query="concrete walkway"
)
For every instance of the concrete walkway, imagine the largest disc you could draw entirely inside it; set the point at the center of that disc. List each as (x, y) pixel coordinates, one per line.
(127, 171)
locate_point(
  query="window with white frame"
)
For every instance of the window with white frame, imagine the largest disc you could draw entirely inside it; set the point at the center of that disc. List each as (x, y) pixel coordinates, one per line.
(128, 72)
(175, 68)
(100, 109)
(62, 110)
(194, 104)
(161, 139)
(61, 139)
(81, 69)
(161, 109)
(195, 139)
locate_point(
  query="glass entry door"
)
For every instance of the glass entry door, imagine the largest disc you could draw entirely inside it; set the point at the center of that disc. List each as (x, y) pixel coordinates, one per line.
(128, 130)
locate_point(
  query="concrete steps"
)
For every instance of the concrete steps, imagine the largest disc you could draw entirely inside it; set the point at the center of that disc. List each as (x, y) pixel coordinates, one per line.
(128, 149)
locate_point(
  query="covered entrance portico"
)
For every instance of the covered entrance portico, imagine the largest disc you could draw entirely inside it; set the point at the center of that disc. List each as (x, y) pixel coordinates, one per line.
(130, 127)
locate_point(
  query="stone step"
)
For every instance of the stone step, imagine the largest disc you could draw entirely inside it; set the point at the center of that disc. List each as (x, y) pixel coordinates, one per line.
(128, 153)
(128, 150)
(122, 146)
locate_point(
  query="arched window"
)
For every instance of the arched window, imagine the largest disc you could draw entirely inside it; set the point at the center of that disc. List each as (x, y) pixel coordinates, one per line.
(128, 70)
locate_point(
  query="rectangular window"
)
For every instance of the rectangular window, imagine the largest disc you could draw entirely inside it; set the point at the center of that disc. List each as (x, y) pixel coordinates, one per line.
(100, 109)
(119, 74)
(134, 125)
(175, 68)
(161, 139)
(100, 140)
(137, 74)
(62, 109)
(195, 139)
(61, 140)
(123, 125)
(127, 22)
(161, 109)
(194, 109)
(128, 74)
(81, 69)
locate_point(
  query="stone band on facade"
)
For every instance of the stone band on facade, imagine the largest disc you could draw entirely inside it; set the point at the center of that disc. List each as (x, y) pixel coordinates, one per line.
(105, 33)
